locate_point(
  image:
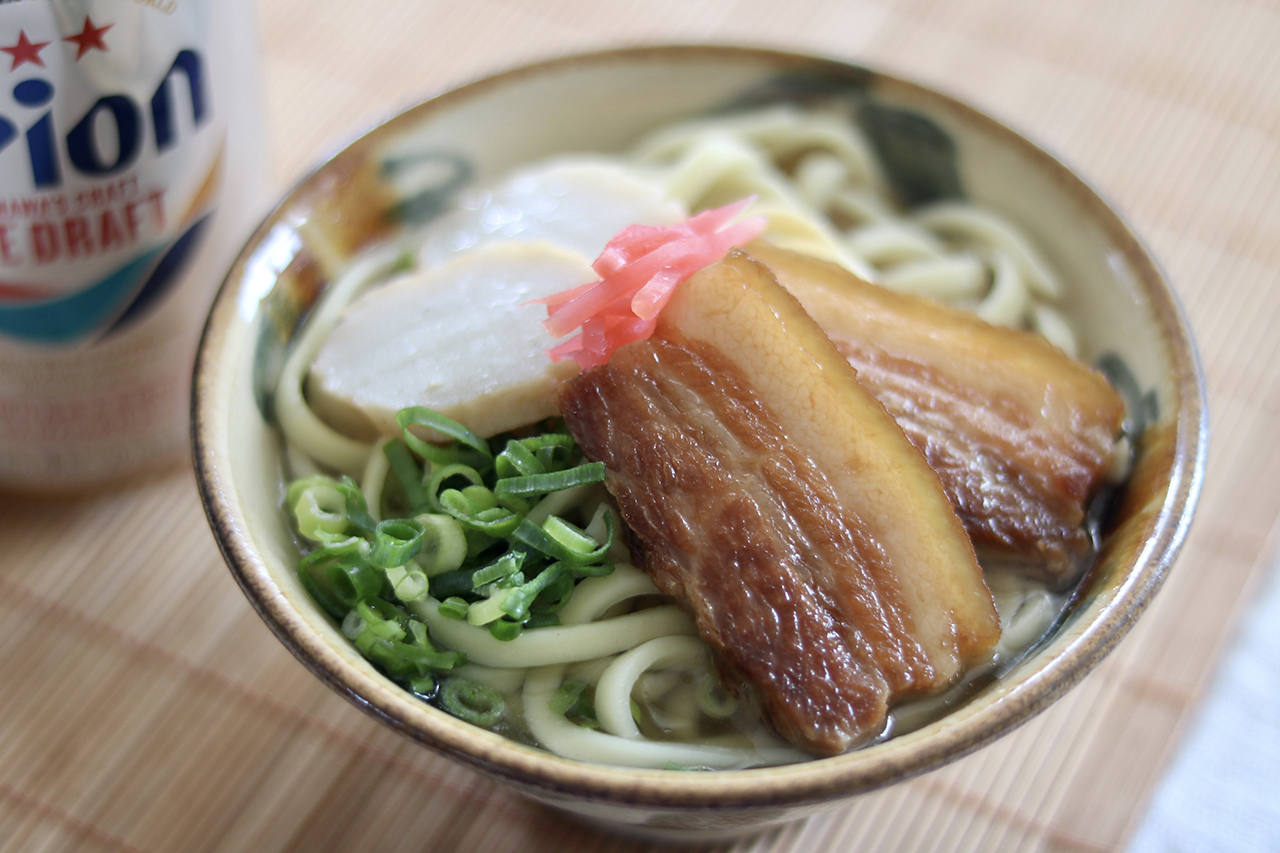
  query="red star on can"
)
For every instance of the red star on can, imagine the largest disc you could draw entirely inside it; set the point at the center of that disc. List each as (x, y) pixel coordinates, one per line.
(89, 38)
(25, 51)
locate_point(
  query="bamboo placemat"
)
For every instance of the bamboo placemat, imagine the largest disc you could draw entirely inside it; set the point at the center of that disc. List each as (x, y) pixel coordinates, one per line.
(145, 707)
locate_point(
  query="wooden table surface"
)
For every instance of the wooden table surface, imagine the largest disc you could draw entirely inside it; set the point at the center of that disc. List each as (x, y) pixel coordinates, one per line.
(145, 707)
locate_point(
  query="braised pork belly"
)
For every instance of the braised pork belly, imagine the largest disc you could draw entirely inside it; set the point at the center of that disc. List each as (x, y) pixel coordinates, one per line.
(1020, 433)
(767, 489)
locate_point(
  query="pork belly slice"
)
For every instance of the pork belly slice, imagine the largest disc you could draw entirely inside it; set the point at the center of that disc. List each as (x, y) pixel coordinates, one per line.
(767, 489)
(1020, 433)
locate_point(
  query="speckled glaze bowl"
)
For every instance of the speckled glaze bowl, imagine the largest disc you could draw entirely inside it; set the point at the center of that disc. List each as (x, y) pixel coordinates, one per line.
(932, 145)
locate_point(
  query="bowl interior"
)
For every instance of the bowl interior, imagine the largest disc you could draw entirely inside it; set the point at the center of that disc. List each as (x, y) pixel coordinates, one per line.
(602, 103)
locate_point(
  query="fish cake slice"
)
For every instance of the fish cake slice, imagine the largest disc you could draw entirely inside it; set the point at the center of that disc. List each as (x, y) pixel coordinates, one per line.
(460, 338)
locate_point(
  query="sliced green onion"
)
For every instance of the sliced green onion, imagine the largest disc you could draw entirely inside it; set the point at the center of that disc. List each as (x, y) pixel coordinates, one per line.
(297, 487)
(357, 511)
(542, 620)
(379, 622)
(569, 536)
(481, 497)
(592, 570)
(529, 557)
(553, 449)
(602, 522)
(486, 611)
(517, 460)
(516, 605)
(504, 567)
(572, 702)
(475, 703)
(477, 542)
(339, 581)
(444, 473)
(454, 608)
(713, 699)
(379, 630)
(395, 542)
(518, 505)
(321, 511)
(557, 503)
(418, 635)
(554, 440)
(584, 713)
(315, 580)
(352, 625)
(356, 546)
(319, 508)
(408, 473)
(567, 696)
(561, 541)
(555, 596)
(554, 481)
(501, 629)
(408, 585)
(452, 584)
(418, 416)
(444, 545)
(494, 521)
(403, 660)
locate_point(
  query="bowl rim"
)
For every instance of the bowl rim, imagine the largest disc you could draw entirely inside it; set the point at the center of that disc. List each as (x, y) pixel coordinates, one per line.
(770, 788)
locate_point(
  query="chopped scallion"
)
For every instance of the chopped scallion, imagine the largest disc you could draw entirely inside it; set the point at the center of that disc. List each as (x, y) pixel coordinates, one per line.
(484, 534)
(420, 417)
(504, 567)
(408, 585)
(542, 620)
(567, 696)
(444, 545)
(516, 605)
(408, 473)
(452, 584)
(489, 609)
(395, 542)
(344, 580)
(494, 521)
(454, 608)
(379, 621)
(505, 630)
(352, 625)
(357, 511)
(555, 596)
(319, 509)
(517, 460)
(553, 481)
(443, 474)
(481, 497)
(561, 541)
(475, 703)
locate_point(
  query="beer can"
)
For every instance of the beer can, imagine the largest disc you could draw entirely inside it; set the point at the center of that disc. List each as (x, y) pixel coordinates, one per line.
(131, 168)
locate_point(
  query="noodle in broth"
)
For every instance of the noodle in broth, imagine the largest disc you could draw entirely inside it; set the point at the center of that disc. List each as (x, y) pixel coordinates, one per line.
(637, 657)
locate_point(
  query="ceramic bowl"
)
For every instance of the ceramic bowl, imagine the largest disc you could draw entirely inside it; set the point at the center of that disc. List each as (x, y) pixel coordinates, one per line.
(933, 145)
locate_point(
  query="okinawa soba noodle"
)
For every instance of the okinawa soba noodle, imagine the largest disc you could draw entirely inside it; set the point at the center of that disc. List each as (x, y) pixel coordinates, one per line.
(654, 696)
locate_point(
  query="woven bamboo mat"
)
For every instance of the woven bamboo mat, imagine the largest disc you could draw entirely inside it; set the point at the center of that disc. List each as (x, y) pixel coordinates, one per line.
(145, 707)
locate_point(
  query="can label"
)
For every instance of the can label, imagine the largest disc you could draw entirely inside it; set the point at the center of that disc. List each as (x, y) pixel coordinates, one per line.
(110, 154)
(123, 123)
